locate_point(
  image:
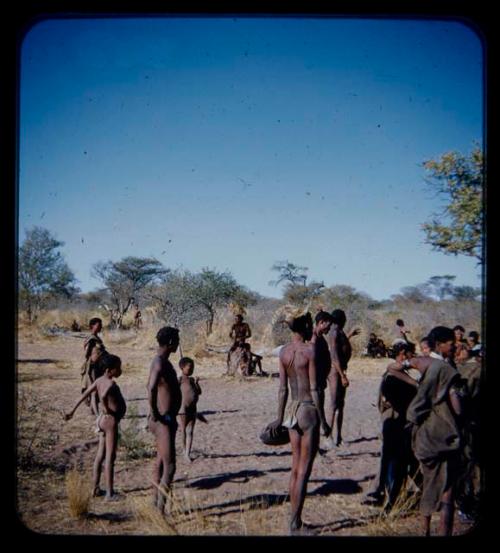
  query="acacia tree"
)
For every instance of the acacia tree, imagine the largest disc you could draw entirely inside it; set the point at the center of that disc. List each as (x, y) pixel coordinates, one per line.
(213, 289)
(175, 299)
(415, 294)
(465, 293)
(300, 294)
(124, 279)
(459, 178)
(43, 273)
(441, 286)
(290, 273)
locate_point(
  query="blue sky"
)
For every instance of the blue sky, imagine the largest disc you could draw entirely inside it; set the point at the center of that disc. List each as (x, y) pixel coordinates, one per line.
(237, 142)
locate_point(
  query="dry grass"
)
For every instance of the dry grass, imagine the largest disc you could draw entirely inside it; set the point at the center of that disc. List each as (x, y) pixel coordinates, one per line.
(78, 493)
(183, 515)
(189, 514)
(393, 523)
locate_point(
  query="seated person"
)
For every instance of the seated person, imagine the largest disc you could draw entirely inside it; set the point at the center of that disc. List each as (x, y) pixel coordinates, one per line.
(474, 345)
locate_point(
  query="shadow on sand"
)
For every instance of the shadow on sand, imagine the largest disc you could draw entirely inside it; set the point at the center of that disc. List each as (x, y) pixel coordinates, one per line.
(38, 361)
(363, 439)
(111, 517)
(233, 455)
(241, 477)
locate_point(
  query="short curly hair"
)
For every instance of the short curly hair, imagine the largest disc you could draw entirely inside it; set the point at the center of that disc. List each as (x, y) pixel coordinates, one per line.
(167, 335)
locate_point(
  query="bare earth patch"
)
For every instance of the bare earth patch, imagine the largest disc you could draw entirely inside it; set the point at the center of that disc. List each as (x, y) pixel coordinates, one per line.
(235, 486)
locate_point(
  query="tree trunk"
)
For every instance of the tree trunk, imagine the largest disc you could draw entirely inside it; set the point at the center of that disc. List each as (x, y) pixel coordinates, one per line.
(210, 322)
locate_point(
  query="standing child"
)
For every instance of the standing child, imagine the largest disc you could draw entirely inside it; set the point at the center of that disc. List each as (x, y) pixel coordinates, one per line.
(164, 395)
(112, 411)
(91, 368)
(190, 390)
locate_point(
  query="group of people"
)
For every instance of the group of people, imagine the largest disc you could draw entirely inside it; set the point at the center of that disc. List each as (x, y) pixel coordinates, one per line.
(172, 402)
(376, 348)
(430, 423)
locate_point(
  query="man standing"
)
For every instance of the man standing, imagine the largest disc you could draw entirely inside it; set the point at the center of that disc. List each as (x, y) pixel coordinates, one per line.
(340, 352)
(396, 391)
(436, 437)
(304, 415)
(164, 395)
(322, 358)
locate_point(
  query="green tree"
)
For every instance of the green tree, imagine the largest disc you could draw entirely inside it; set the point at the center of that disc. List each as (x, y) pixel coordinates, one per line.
(124, 280)
(465, 293)
(213, 289)
(459, 178)
(301, 294)
(175, 298)
(289, 272)
(43, 273)
(347, 298)
(441, 286)
(415, 294)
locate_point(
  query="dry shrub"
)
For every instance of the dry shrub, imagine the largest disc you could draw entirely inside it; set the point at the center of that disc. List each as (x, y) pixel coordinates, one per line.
(38, 428)
(79, 494)
(64, 318)
(259, 518)
(132, 437)
(392, 523)
(150, 520)
(183, 515)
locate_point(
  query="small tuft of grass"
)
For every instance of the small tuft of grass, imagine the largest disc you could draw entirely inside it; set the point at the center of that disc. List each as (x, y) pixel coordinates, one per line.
(131, 437)
(150, 519)
(78, 493)
(392, 523)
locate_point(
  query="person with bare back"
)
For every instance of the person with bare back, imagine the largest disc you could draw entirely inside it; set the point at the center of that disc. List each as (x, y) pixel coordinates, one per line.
(91, 369)
(190, 390)
(112, 411)
(164, 396)
(340, 351)
(323, 322)
(304, 415)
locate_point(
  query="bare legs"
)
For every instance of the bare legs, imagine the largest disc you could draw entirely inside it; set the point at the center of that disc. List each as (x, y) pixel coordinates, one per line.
(337, 395)
(106, 452)
(447, 512)
(187, 423)
(304, 448)
(164, 466)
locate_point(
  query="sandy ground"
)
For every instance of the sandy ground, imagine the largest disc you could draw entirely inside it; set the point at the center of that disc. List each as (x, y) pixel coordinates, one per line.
(235, 486)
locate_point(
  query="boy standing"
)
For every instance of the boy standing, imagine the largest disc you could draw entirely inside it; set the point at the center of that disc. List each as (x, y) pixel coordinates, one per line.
(340, 351)
(113, 410)
(91, 370)
(164, 395)
(190, 390)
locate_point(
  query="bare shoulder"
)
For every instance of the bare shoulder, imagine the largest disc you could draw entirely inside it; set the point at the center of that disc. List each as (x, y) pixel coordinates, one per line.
(285, 351)
(155, 366)
(103, 384)
(308, 348)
